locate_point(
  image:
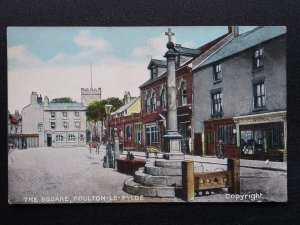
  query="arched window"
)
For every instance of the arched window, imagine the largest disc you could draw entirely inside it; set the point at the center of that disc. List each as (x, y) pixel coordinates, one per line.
(59, 138)
(148, 109)
(163, 99)
(153, 102)
(182, 100)
(71, 138)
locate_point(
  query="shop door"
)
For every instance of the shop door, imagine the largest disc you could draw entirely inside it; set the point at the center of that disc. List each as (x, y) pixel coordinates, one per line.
(210, 143)
(182, 129)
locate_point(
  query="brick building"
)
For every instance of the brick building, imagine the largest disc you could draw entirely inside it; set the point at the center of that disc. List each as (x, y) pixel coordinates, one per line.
(128, 122)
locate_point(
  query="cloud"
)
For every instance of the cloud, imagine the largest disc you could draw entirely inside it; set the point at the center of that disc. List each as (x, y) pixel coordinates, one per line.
(114, 75)
(155, 46)
(20, 55)
(85, 39)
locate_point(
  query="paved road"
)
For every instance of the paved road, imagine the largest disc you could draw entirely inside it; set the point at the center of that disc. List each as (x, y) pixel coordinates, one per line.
(61, 175)
(74, 175)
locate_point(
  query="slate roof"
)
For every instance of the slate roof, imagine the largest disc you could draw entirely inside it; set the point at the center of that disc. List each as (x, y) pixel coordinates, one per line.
(69, 104)
(126, 106)
(157, 62)
(245, 41)
(187, 51)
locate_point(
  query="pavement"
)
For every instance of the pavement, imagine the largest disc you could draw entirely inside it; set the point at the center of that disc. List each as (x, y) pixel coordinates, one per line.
(75, 175)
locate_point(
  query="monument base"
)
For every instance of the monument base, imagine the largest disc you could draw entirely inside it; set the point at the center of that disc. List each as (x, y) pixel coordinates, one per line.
(172, 142)
(174, 156)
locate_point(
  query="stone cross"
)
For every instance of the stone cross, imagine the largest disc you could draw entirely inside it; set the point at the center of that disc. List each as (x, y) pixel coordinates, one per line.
(169, 34)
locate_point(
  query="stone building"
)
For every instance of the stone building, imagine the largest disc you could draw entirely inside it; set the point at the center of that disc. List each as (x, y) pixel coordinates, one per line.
(241, 99)
(88, 95)
(54, 124)
(64, 124)
(33, 120)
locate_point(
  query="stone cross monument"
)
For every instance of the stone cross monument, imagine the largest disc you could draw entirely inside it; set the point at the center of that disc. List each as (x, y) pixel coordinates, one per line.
(172, 138)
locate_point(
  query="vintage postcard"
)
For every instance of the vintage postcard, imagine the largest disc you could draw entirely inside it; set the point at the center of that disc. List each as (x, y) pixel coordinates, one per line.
(147, 114)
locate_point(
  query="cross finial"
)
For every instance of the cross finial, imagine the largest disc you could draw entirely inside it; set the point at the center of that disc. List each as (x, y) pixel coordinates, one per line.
(169, 34)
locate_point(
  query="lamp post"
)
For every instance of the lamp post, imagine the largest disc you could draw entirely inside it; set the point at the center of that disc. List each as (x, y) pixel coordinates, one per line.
(108, 112)
(116, 137)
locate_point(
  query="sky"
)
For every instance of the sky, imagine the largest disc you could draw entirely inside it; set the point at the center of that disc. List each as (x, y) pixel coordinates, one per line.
(58, 61)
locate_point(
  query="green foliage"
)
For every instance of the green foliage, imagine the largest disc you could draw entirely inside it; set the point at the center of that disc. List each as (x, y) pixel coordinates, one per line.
(96, 110)
(63, 100)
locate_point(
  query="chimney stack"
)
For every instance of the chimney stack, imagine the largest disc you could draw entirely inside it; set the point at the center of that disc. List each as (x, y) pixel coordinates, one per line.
(127, 97)
(234, 30)
(33, 98)
(46, 101)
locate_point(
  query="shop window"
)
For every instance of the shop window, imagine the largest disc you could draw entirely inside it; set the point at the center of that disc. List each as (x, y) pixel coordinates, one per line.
(138, 133)
(217, 73)
(128, 132)
(151, 132)
(225, 133)
(275, 138)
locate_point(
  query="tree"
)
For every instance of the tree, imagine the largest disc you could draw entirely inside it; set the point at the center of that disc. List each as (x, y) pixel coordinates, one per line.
(96, 110)
(63, 100)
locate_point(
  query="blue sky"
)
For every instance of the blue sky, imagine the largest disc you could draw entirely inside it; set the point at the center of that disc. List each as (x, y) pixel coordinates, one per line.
(55, 61)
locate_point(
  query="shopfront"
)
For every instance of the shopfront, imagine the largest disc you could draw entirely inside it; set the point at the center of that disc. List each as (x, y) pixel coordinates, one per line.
(262, 136)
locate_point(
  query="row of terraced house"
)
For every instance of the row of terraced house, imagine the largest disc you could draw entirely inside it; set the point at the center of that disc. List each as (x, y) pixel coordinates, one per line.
(232, 89)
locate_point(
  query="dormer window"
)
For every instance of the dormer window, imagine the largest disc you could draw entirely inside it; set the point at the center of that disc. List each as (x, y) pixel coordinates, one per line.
(154, 72)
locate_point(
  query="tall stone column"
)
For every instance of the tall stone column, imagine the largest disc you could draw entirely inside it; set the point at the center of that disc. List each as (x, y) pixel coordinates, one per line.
(172, 137)
(171, 90)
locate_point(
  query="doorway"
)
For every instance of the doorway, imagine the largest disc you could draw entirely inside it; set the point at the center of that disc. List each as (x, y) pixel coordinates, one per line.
(49, 140)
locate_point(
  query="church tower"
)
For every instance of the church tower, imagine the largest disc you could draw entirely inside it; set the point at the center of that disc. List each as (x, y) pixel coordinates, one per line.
(90, 95)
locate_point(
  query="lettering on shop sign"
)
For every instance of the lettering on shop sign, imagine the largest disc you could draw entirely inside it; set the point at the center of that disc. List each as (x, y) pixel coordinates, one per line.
(259, 119)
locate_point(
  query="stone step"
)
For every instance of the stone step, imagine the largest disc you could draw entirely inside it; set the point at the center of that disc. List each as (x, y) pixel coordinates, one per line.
(162, 171)
(133, 188)
(168, 163)
(159, 181)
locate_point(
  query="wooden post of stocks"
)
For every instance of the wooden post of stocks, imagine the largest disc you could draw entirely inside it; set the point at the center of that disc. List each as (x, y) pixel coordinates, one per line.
(234, 169)
(188, 180)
